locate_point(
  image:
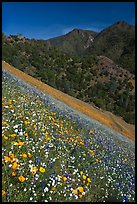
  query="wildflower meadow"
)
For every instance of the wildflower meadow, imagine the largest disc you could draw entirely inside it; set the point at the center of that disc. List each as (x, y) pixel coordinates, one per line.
(51, 155)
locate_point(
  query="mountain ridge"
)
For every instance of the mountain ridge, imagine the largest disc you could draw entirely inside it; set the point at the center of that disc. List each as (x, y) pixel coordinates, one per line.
(74, 42)
(118, 43)
(93, 78)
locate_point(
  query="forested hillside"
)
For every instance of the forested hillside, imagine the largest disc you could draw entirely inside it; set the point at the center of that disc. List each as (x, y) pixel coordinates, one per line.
(92, 78)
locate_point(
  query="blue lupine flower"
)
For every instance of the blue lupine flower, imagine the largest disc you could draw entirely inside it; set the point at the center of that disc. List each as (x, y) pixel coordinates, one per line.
(37, 160)
(133, 180)
(51, 165)
(126, 198)
(67, 175)
(34, 179)
(88, 154)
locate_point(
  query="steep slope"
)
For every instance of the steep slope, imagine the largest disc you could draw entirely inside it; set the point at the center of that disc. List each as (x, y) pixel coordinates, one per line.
(52, 153)
(93, 79)
(74, 42)
(118, 43)
(104, 117)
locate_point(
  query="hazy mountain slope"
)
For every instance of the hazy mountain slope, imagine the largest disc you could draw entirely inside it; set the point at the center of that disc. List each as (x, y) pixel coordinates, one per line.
(74, 42)
(118, 43)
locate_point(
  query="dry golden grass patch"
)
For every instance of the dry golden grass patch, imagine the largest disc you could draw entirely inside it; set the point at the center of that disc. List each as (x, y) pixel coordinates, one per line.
(104, 117)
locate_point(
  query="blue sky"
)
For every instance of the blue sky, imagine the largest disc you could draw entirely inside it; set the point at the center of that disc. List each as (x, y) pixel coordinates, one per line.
(43, 20)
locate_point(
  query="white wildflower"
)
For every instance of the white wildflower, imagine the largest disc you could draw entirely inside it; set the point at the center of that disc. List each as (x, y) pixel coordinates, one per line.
(46, 189)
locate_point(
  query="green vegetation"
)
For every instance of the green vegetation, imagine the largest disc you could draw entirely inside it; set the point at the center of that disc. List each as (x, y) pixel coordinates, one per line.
(81, 77)
(74, 42)
(118, 43)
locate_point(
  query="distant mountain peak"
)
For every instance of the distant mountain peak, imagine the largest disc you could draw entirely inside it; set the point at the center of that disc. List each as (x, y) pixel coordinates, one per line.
(76, 29)
(122, 23)
(74, 42)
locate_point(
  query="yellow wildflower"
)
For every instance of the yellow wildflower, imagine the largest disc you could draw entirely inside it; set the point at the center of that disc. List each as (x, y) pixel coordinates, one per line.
(15, 143)
(11, 155)
(3, 192)
(98, 160)
(64, 178)
(34, 126)
(92, 152)
(7, 159)
(13, 173)
(80, 188)
(88, 179)
(53, 188)
(42, 170)
(21, 178)
(80, 195)
(81, 172)
(5, 137)
(14, 165)
(4, 123)
(47, 138)
(84, 177)
(20, 143)
(75, 191)
(25, 122)
(29, 155)
(26, 134)
(34, 170)
(13, 135)
(24, 155)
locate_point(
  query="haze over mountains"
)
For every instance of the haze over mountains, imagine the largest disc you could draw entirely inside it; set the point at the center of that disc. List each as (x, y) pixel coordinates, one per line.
(94, 67)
